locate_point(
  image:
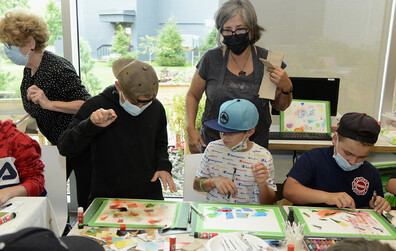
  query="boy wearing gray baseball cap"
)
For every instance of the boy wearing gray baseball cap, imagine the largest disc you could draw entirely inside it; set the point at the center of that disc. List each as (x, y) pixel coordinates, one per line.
(340, 175)
(126, 128)
(235, 169)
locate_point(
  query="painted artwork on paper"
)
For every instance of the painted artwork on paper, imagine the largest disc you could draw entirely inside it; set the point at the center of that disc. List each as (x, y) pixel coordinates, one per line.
(306, 116)
(135, 213)
(344, 222)
(265, 220)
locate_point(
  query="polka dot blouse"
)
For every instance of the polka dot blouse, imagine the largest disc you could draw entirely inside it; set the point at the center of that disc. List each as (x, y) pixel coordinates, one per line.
(58, 79)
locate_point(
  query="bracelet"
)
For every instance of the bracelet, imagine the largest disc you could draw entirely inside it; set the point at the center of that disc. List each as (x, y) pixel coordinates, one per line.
(208, 183)
(200, 185)
(288, 92)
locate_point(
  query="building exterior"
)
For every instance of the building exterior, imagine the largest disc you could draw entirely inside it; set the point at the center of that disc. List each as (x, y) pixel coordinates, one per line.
(98, 21)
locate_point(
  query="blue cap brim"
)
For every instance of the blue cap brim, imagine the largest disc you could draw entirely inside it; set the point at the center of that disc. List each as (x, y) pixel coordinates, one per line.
(212, 124)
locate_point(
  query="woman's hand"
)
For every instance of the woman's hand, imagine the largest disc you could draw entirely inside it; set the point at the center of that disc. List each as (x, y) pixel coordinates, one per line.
(279, 77)
(194, 139)
(37, 96)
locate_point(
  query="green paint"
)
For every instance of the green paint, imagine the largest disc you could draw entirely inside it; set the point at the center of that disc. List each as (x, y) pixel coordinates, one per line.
(149, 205)
(213, 208)
(262, 210)
(212, 215)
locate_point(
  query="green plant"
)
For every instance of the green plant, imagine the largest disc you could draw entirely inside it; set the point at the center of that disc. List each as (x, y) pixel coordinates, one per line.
(149, 45)
(178, 118)
(54, 20)
(89, 80)
(170, 52)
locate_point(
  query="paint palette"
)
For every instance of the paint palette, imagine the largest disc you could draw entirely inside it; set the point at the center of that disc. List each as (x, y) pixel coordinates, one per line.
(319, 244)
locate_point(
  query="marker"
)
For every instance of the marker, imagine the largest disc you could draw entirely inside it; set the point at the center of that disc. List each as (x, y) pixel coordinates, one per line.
(233, 178)
(375, 195)
(5, 206)
(7, 217)
(204, 235)
(198, 212)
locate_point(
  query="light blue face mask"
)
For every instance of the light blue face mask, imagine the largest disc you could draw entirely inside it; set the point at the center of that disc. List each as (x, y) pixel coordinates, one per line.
(15, 55)
(343, 163)
(132, 109)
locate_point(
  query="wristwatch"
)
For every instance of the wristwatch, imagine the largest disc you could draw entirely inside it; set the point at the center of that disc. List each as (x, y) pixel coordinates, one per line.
(288, 92)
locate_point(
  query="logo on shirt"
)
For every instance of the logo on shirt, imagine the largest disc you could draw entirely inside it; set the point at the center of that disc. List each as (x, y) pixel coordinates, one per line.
(360, 186)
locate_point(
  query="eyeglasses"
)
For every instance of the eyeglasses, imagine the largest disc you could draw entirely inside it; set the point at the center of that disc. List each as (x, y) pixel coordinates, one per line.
(7, 45)
(238, 32)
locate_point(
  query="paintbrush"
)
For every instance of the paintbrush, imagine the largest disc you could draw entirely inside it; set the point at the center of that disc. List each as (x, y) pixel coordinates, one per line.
(197, 211)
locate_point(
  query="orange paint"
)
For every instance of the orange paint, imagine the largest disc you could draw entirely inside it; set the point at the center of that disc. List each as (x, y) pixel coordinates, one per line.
(322, 213)
(154, 221)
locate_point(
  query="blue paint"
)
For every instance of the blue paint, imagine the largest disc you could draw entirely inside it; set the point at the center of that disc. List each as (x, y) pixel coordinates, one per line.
(246, 209)
(259, 214)
(229, 216)
(241, 215)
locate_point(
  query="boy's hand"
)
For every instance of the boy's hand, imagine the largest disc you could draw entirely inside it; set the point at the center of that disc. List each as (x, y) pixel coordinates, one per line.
(102, 117)
(166, 179)
(224, 185)
(380, 204)
(341, 200)
(260, 172)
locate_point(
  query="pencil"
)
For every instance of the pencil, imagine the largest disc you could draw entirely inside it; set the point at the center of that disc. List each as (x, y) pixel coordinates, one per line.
(198, 212)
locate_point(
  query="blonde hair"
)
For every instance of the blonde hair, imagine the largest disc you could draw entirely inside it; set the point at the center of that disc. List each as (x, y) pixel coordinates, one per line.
(18, 24)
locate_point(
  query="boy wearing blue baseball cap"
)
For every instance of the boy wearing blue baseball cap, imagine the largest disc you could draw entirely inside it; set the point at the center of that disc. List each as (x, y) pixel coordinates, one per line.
(235, 169)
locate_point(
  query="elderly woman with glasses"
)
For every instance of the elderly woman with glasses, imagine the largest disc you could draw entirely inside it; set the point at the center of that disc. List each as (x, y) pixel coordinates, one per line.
(233, 70)
(51, 90)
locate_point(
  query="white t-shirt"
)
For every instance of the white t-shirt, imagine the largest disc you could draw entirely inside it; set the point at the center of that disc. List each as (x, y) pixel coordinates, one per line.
(218, 160)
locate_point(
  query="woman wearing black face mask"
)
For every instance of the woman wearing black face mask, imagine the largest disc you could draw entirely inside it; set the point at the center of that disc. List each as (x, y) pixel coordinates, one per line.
(233, 70)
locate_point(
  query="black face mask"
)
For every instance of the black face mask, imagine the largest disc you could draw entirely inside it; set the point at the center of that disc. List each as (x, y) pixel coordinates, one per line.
(237, 44)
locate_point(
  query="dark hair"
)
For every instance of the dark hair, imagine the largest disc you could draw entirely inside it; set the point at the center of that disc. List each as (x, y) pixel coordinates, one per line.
(243, 8)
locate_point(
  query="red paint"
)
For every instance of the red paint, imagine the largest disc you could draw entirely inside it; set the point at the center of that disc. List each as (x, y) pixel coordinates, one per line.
(224, 210)
(122, 226)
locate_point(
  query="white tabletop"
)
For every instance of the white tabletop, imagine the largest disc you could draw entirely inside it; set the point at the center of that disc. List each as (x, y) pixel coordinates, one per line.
(33, 212)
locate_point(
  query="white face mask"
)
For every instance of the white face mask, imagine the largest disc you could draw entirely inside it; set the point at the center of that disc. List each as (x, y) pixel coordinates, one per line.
(15, 55)
(132, 109)
(242, 145)
(343, 163)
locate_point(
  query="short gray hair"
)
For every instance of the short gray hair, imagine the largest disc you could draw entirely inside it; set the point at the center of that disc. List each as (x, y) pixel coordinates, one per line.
(246, 10)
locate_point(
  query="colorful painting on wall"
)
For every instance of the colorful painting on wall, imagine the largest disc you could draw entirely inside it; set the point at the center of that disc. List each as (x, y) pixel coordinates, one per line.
(344, 223)
(135, 213)
(263, 220)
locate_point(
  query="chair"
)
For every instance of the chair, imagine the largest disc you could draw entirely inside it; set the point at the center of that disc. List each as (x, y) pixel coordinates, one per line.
(191, 162)
(55, 182)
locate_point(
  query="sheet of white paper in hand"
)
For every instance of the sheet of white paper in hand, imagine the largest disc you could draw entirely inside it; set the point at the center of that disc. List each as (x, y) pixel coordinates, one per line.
(267, 87)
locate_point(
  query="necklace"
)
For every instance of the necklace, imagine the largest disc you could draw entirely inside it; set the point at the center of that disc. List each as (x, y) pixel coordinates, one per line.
(242, 73)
